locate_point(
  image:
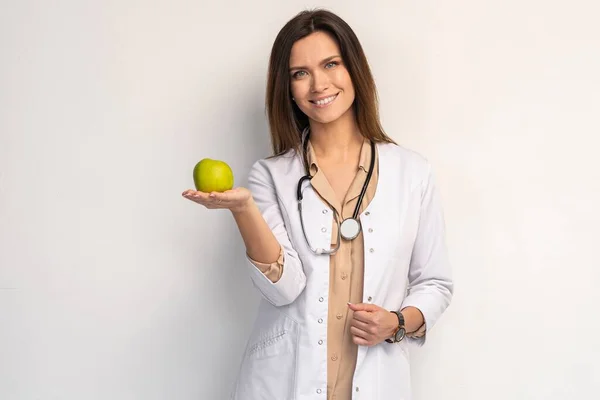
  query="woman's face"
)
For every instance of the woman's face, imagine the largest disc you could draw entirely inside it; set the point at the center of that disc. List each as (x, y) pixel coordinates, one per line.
(320, 83)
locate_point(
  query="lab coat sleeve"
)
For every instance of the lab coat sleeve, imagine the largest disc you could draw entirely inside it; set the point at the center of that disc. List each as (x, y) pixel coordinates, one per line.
(292, 280)
(430, 281)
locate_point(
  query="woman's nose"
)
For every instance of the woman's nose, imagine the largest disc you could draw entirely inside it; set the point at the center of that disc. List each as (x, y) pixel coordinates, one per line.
(320, 82)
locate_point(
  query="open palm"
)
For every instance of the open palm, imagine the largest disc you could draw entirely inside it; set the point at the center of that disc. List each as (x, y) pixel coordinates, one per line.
(235, 199)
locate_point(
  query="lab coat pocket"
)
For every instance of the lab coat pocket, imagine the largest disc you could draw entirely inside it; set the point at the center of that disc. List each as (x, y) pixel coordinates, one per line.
(268, 346)
(269, 366)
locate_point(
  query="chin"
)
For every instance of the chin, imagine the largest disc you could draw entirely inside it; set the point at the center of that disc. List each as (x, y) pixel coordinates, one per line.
(328, 118)
(324, 120)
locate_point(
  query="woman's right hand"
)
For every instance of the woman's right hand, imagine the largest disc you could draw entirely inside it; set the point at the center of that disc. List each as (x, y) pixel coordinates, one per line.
(236, 200)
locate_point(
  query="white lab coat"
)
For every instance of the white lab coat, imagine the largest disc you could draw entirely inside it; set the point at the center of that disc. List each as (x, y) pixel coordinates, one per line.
(406, 264)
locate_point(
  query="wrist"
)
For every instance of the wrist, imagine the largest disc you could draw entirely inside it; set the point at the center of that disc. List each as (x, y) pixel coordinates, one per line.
(243, 208)
(392, 324)
(413, 318)
(399, 330)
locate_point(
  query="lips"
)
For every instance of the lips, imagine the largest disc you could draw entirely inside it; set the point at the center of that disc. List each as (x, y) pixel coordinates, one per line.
(325, 101)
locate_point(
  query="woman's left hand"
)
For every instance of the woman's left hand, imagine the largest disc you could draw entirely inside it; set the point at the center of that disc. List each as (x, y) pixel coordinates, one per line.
(371, 324)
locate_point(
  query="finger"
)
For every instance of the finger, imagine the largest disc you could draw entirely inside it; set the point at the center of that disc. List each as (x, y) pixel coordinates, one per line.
(363, 326)
(360, 337)
(192, 197)
(360, 333)
(188, 193)
(363, 316)
(360, 341)
(363, 307)
(229, 196)
(196, 194)
(202, 199)
(198, 197)
(213, 198)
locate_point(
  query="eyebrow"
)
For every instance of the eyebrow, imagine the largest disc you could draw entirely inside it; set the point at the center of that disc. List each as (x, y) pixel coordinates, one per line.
(322, 62)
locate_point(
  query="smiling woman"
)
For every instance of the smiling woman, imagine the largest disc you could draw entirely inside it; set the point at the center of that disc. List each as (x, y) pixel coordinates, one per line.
(343, 230)
(317, 60)
(321, 88)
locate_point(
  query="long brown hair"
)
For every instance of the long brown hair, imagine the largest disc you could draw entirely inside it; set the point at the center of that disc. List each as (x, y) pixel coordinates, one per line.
(286, 120)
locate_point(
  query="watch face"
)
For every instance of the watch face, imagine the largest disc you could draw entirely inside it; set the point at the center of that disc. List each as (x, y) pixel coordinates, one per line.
(400, 334)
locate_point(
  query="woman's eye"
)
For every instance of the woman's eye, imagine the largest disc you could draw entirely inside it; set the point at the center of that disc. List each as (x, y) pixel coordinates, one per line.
(331, 64)
(299, 74)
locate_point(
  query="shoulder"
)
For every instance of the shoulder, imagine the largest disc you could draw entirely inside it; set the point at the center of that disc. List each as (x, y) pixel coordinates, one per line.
(270, 169)
(410, 161)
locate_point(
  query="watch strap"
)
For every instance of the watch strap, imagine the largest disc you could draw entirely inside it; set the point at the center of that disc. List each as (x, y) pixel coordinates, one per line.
(400, 326)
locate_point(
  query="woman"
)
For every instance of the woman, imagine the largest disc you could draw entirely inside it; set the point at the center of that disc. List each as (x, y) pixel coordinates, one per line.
(357, 268)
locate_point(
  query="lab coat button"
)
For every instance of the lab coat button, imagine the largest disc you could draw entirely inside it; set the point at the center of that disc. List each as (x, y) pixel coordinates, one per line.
(319, 391)
(320, 342)
(357, 389)
(367, 213)
(324, 212)
(321, 299)
(323, 229)
(370, 230)
(320, 320)
(371, 250)
(370, 298)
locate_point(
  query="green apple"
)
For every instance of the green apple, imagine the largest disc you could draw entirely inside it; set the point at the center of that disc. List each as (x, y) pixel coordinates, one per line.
(212, 176)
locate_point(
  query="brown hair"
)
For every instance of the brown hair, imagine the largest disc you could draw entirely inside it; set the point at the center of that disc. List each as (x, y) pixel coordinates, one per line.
(286, 120)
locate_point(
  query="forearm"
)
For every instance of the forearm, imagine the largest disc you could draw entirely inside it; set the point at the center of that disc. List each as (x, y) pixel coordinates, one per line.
(261, 244)
(413, 319)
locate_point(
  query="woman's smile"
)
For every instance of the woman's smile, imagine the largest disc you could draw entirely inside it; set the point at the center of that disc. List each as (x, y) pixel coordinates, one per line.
(324, 102)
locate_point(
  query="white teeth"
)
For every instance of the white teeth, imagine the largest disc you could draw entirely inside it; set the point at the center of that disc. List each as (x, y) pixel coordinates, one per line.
(325, 101)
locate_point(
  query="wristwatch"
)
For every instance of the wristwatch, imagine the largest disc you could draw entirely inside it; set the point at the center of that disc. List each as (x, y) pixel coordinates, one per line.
(400, 332)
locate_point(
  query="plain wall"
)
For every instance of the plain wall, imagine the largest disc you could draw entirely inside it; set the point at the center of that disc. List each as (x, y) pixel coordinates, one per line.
(112, 286)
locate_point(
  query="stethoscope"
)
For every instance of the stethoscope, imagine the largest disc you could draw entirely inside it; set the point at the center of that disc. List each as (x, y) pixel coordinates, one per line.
(350, 227)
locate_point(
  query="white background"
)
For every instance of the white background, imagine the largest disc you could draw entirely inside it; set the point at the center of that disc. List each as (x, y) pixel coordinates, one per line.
(112, 286)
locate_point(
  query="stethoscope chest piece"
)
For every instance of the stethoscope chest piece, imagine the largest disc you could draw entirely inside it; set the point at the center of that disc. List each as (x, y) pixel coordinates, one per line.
(350, 228)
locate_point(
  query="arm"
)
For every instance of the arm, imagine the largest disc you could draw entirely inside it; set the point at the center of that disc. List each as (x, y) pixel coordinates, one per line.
(262, 227)
(261, 243)
(430, 282)
(260, 221)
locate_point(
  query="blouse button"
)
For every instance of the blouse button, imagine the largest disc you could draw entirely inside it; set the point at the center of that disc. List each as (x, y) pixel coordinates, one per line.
(334, 357)
(339, 316)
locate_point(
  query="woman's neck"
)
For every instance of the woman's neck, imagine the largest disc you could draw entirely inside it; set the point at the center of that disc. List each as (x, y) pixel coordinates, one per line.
(338, 141)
